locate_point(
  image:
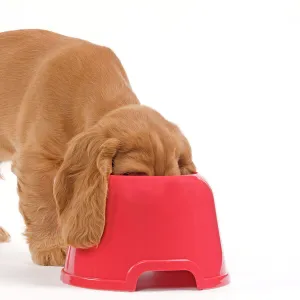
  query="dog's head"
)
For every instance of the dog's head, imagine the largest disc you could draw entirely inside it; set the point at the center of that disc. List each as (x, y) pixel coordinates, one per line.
(132, 140)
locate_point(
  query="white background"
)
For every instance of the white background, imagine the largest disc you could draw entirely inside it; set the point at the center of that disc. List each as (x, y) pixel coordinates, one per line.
(228, 73)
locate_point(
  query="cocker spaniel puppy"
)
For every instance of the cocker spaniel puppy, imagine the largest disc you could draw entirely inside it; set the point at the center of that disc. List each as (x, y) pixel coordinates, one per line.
(69, 119)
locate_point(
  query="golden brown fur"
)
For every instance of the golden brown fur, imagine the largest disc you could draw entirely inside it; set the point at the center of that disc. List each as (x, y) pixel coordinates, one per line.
(68, 119)
(4, 236)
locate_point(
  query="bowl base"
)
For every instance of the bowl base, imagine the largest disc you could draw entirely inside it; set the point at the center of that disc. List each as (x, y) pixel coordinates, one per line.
(148, 280)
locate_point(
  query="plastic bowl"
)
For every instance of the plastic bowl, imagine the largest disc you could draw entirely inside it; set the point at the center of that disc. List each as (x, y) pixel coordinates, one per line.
(152, 224)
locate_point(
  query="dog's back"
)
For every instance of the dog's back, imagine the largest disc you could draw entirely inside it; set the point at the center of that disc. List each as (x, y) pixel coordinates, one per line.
(51, 76)
(21, 54)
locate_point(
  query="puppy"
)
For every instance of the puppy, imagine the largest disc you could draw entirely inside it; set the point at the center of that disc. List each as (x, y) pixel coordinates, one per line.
(69, 119)
(4, 236)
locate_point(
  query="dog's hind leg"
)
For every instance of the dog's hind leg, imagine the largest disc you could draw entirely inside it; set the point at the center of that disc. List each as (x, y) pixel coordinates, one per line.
(4, 236)
(1, 176)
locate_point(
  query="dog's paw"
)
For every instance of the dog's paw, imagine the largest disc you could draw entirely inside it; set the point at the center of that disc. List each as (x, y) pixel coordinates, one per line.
(4, 236)
(52, 257)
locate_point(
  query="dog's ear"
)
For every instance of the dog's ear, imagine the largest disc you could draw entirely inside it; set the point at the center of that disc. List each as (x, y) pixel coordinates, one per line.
(185, 162)
(80, 188)
(187, 169)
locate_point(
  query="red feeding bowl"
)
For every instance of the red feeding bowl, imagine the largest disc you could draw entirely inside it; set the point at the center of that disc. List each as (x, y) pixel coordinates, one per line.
(154, 223)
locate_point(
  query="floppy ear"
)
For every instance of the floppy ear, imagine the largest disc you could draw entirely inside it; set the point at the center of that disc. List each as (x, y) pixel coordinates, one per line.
(188, 169)
(80, 188)
(185, 162)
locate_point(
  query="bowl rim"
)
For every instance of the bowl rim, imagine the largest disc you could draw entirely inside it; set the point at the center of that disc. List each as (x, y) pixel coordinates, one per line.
(159, 176)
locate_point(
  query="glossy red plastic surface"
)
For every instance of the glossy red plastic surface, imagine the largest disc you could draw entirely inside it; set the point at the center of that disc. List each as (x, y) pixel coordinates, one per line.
(152, 224)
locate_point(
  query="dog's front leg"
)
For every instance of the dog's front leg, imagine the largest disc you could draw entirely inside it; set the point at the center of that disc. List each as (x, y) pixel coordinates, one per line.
(35, 176)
